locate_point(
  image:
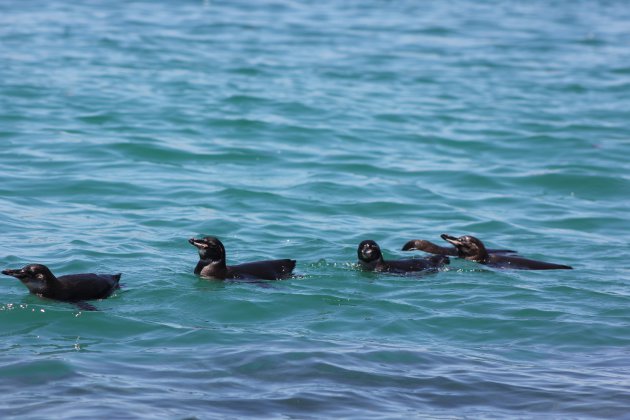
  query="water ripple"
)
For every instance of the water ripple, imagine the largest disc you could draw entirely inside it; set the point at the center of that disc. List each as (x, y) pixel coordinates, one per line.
(296, 130)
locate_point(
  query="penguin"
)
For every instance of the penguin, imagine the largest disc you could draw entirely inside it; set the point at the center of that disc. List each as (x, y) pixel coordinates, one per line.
(75, 288)
(212, 264)
(371, 259)
(471, 248)
(430, 247)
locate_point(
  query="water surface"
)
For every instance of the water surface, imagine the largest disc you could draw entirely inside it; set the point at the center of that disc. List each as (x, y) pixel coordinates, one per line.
(298, 129)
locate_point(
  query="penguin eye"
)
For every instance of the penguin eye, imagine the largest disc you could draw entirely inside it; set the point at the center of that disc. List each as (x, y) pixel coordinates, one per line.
(40, 276)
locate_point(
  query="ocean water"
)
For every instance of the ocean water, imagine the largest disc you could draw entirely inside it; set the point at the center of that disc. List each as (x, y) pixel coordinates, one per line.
(297, 129)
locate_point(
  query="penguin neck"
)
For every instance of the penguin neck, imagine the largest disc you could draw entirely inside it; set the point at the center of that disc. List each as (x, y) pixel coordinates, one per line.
(39, 287)
(371, 265)
(481, 257)
(210, 266)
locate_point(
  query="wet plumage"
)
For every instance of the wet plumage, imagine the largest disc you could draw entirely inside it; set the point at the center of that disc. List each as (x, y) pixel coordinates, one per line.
(212, 263)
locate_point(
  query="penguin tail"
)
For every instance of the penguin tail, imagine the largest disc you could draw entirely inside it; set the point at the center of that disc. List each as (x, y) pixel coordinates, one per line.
(117, 278)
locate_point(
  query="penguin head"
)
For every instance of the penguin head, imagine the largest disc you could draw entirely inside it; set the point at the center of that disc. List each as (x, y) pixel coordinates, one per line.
(210, 248)
(417, 244)
(34, 276)
(369, 251)
(468, 247)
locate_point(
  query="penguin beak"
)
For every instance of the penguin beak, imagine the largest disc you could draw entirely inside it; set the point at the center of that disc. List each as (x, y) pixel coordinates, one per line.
(368, 251)
(450, 239)
(365, 251)
(198, 243)
(13, 273)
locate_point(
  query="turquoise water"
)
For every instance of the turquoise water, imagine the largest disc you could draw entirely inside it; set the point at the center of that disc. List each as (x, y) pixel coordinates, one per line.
(298, 129)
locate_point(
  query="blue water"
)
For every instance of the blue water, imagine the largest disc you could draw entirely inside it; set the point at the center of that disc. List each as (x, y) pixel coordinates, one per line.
(296, 129)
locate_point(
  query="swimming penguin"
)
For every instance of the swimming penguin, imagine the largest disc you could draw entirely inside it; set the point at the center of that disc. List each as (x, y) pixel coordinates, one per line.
(371, 258)
(74, 288)
(430, 247)
(472, 249)
(212, 264)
